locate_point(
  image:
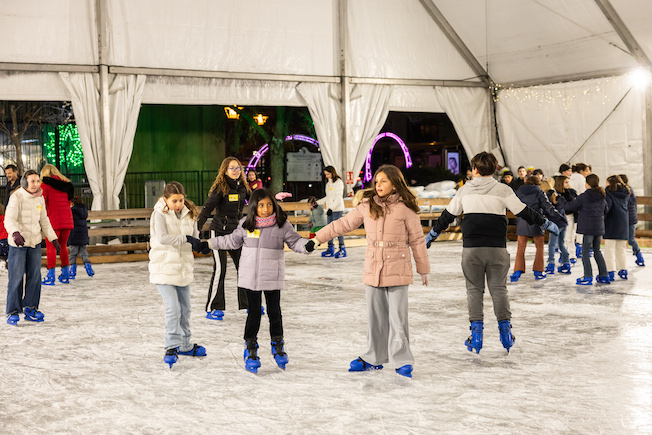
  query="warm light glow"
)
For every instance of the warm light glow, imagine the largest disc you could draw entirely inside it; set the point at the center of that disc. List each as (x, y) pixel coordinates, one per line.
(640, 77)
(231, 113)
(260, 119)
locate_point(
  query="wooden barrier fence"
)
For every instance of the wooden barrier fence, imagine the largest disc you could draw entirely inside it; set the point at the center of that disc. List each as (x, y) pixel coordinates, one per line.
(134, 223)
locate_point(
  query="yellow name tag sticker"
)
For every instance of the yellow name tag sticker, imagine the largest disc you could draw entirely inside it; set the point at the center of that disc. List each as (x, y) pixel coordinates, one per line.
(234, 197)
(255, 234)
(39, 207)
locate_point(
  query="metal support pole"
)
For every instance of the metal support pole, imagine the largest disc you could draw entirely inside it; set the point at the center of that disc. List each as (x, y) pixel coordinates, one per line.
(647, 146)
(345, 85)
(105, 139)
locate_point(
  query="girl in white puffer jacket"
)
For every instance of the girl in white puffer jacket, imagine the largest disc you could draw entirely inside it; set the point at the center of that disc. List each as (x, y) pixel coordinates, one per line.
(173, 237)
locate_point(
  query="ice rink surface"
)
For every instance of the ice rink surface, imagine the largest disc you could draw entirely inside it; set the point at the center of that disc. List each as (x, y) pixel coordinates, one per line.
(582, 362)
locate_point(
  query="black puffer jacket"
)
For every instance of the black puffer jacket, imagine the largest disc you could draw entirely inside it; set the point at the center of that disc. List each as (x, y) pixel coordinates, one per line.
(632, 207)
(228, 208)
(592, 207)
(533, 197)
(79, 234)
(616, 222)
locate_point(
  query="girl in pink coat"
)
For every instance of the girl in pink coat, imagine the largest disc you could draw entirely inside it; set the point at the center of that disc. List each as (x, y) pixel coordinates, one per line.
(389, 212)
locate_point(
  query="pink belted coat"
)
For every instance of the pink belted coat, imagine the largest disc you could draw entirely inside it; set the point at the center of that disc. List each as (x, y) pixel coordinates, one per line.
(387, 258)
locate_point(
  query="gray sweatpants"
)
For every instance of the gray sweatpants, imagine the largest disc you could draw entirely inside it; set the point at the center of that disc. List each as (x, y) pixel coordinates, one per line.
(492, 264)
(78, 250)
(388, 336)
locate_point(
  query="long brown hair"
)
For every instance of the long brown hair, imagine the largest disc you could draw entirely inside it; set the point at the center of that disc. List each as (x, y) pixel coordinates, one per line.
(396, 178)
(615, 183)
(594, 181)
(176, 188)
(333, 173)
(220, 183)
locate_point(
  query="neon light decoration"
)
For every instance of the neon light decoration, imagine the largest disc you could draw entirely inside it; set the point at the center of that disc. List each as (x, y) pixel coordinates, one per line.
(72, 155)
(367, 163)
(262, 150)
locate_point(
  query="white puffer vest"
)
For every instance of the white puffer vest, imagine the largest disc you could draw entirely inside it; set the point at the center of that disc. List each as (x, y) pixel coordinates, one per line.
(171, 264)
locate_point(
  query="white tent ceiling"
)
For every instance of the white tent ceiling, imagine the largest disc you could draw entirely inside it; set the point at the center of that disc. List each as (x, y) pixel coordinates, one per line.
(259, 51)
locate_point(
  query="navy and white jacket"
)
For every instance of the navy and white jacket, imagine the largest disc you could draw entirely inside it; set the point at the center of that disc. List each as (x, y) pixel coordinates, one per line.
(616, 222)
(484, 202)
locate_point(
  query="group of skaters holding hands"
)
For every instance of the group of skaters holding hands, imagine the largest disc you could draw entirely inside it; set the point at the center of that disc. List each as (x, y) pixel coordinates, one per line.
(252, 228)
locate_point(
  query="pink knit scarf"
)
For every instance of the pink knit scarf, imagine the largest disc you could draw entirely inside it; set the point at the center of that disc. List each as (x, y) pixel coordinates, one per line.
(266, 222)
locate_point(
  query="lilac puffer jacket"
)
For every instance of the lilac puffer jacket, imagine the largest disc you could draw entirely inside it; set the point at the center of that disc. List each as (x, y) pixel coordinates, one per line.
(262, 266)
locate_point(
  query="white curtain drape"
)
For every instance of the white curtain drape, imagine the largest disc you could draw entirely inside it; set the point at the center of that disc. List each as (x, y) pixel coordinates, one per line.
(367, 116)
(125, 94)
(323, 101)
(369, 107)
(468, 110)
(597, 122)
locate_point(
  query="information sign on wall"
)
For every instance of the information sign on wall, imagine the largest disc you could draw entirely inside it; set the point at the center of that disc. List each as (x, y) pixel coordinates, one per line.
(304, 166)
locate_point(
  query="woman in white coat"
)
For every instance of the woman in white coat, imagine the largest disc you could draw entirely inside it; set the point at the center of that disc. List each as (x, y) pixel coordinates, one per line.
(333, 202)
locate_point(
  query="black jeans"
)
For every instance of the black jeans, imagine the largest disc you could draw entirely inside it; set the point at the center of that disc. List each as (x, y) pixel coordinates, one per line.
(593, 242)
(215, 299)
(273, 301)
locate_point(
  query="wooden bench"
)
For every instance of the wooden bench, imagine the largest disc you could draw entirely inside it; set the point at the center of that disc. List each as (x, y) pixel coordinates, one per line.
(130, 223)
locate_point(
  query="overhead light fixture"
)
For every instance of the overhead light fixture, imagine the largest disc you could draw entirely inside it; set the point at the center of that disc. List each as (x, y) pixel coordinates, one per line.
(232, 113)
(640, 77)
(260, 119)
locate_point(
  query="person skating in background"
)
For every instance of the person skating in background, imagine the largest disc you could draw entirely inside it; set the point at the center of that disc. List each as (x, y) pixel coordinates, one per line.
(57, 194)
(616, 227)
(227, 196)
(532, 196)
(562, 188)
(4, 243)
(78, 239)
(484, 203)
(508, 179)
(13, 181)
(592, 207)
(633, 220)
(333, 202)
(389, 211)
(26, 219)
(521, 176)
(317, 219)
(570, 194)
(578, 183)
(173, 237)
(261, 236)
(255, 183)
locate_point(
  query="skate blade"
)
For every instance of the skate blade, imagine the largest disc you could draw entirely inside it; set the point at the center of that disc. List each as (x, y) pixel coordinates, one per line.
(34, 320)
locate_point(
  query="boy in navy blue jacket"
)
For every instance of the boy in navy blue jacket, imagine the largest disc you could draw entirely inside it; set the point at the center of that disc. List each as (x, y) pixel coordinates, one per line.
(484, 232)
(78, 239)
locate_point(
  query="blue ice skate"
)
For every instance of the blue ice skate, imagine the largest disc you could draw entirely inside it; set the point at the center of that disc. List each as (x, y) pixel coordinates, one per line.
(72, 271)
(506, 336)
(215, 315)
(585, 280)
(341, 253)
(539, 275)
(639, 259)
(171, 356)
(278, 351)
(33, 315)
(360, 365)
(602, 279)
(475, 339)
(329, 252)
(252, 362)
(89, 269)
(578, 250)
(515, 276)
(622, 274)
(611, 275)
(13, 319)
(406, 371)
(49, 278)
(64, 278)
(565, 269)
(196, 350)
(573, 260)
(550, 269)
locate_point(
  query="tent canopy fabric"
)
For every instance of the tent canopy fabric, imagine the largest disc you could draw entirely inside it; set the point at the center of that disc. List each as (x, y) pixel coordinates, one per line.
(434, 55)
